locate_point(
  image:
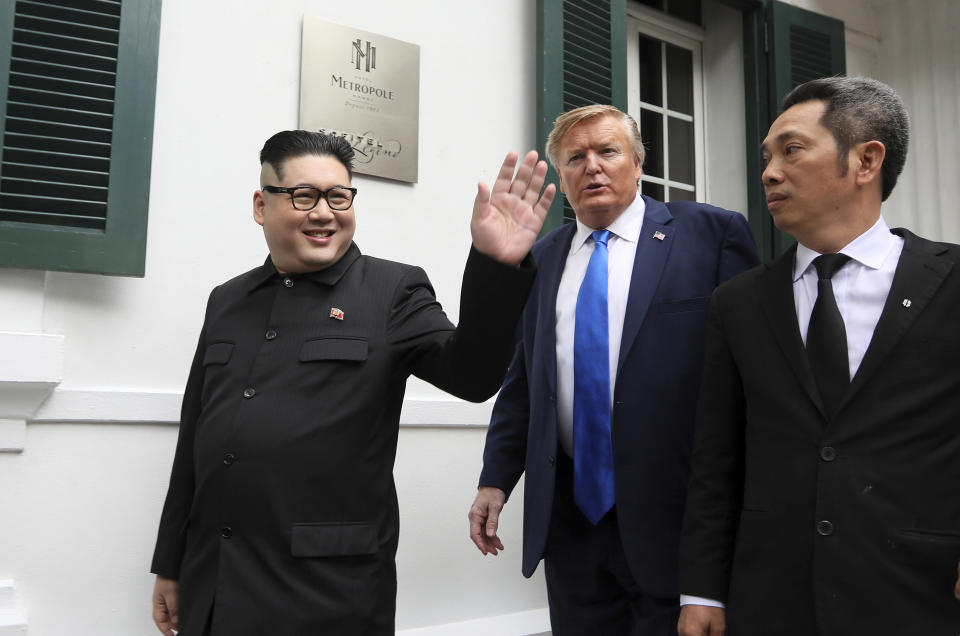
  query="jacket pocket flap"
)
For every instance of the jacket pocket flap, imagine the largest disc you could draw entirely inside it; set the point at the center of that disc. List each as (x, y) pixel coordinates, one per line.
(334, 349)
(218, 353)
(333, 539)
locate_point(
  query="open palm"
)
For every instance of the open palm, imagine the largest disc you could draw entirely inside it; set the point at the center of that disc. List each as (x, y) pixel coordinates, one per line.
(507, 220)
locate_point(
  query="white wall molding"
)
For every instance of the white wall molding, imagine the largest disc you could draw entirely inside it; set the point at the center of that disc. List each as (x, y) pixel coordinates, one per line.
(111, 406)
(31, 367)
(13, 435)
(163, 407)
(13, 619)
(527, 623)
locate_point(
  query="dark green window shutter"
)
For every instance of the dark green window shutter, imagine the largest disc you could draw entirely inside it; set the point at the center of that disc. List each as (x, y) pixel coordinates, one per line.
(784, 46)
(803, 46)
(76, 106)
(582, 47)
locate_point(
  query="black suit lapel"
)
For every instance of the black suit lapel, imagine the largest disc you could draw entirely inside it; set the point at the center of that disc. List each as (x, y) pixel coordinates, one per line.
(550, 265)
(775, 295)
(919, 274)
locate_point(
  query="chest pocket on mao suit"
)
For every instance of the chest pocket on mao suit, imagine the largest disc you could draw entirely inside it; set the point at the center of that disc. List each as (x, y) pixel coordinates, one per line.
(344, 349)
(215, 369)
(218, 353)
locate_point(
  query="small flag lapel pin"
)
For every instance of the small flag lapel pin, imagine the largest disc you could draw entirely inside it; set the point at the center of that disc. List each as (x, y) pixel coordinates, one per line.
(336, 313)
(659, 236)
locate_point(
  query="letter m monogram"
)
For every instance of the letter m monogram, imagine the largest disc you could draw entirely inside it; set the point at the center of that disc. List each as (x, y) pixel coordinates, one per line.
(358, 55)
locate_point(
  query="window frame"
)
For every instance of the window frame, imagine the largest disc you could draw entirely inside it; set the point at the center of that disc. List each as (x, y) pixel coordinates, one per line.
(641, 19)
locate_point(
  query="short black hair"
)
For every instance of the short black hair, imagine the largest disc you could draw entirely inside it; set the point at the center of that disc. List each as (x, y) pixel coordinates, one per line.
(289, 144)
(861, 109)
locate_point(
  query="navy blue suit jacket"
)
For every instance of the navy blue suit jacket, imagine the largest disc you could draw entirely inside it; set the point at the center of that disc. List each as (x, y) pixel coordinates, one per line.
(658, 378)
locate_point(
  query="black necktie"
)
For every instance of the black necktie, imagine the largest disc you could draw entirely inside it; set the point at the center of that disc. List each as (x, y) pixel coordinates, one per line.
(826, 336)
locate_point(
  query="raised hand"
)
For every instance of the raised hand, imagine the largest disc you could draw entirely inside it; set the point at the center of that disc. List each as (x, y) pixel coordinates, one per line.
(507, 220)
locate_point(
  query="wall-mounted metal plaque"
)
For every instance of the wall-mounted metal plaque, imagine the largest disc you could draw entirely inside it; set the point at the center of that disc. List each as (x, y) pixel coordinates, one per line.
(364, 87)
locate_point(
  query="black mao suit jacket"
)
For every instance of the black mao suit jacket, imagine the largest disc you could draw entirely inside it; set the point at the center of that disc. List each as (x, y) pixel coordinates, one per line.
(810, 526)
(282, 511)
(685, 249)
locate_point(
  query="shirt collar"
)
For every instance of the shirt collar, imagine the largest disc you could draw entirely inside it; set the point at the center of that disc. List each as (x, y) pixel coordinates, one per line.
(329, 276)
(870, 249)
(626, 226)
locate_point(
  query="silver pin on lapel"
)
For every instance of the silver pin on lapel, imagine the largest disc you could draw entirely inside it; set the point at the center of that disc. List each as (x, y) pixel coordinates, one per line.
(907, 302)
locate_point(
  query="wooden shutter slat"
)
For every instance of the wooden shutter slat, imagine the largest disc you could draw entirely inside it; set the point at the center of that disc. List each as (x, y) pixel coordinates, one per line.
(58, 115)
(103, 16)
(55, 174)
(61, 71)
(50, 218)
(69, 131)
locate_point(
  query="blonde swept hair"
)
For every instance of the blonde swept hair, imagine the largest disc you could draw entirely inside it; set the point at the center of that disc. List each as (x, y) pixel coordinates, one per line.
(569, 119)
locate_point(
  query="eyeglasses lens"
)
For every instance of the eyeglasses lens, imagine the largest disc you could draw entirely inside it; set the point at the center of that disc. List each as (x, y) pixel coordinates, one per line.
(305, 198)
(339, 198)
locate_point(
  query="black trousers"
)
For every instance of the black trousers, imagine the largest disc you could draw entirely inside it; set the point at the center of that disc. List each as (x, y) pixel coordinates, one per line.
(590, 588)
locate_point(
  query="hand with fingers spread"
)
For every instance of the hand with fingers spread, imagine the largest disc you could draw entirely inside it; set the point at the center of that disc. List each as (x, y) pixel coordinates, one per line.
(484, 517)
(507, 219)
(166, 602)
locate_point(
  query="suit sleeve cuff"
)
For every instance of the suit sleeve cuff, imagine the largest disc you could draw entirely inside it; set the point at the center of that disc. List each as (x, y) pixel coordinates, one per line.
(699, 600)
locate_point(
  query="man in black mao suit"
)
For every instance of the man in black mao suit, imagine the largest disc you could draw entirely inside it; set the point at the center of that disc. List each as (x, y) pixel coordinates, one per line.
(824, 494)
(281, 516)
(615, 573)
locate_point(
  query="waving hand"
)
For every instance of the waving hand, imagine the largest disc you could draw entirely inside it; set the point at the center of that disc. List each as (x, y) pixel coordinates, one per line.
(507, 219)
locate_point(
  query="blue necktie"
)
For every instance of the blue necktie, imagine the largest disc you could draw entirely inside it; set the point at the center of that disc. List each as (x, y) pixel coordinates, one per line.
(592, 446)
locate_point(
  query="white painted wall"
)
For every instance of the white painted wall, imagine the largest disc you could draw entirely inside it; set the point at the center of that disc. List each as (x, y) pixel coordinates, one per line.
(920, 57)
(79, 506)
(227, 79)
(912, 46)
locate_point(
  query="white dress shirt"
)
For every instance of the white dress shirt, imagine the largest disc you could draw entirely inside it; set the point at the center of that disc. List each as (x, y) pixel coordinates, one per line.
(621, 249)
(861, 288)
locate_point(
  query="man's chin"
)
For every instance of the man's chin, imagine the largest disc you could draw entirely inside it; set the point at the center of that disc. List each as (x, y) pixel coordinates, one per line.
(599, 215)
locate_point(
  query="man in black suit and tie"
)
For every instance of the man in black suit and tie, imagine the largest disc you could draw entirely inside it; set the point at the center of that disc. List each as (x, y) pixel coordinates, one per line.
(598, 405)
(826, 469)
(281, 516)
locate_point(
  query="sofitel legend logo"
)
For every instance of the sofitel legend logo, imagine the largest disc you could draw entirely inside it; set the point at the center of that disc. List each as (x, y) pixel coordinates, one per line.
(358, 55)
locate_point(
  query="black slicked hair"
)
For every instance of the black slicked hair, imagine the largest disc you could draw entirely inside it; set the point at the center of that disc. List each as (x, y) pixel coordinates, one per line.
(289, 144)
(860, 109)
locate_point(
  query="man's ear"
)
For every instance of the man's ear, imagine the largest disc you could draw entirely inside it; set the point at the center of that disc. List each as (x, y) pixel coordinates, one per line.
(868, 159)
(258, 204)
